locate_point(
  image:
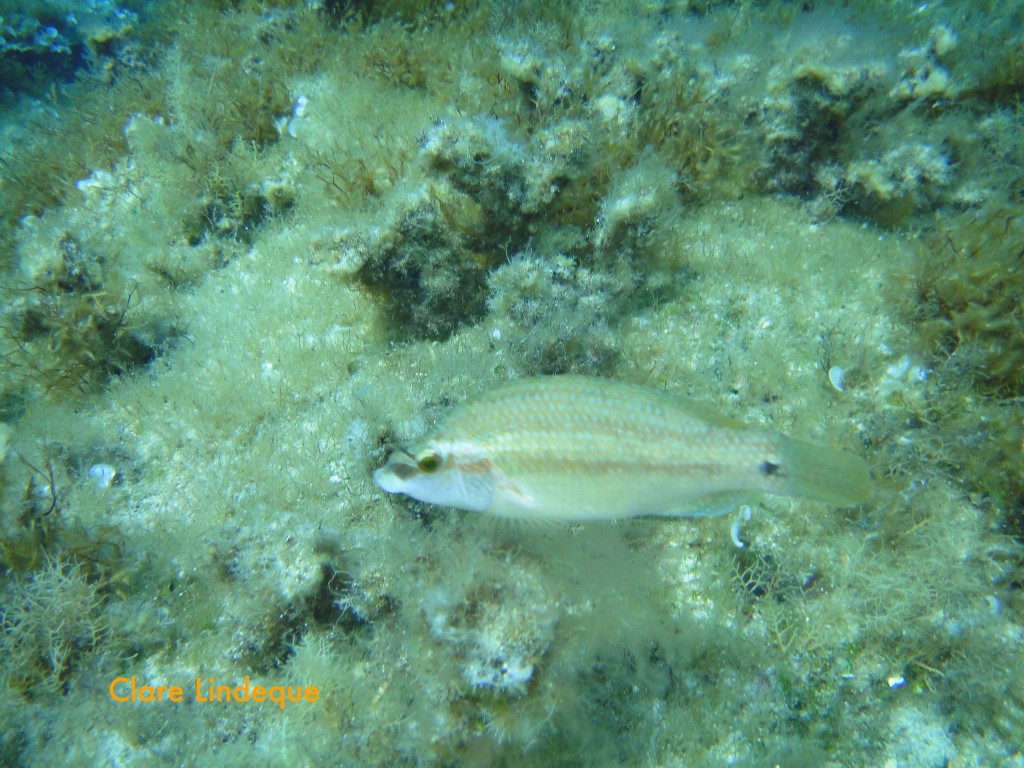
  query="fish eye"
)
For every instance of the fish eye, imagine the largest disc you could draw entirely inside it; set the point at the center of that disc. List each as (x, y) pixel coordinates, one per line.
(428, 461)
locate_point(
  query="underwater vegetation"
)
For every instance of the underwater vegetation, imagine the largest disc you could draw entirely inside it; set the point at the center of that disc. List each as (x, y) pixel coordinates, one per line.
(968, 307)
(43, 42)
(248, 249)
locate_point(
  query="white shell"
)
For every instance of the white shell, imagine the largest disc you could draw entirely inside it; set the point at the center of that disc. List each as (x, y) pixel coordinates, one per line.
(835, 376)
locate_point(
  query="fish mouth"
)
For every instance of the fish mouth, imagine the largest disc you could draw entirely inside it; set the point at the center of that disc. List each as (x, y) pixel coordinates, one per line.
(389, 480)
(400, 469)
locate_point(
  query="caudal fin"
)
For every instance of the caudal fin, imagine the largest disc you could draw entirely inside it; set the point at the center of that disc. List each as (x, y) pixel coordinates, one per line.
(825, 474)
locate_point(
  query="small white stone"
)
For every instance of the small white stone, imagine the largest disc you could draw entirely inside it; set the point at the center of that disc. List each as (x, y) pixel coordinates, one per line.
(742, 516)
(898, 369)
(102, 475)
(943, 39)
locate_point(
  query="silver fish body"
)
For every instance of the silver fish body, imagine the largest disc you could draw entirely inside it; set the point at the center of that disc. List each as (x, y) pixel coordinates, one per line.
(581, 448)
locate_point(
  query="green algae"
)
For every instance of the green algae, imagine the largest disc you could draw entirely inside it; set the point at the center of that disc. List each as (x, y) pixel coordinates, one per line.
(289, 237)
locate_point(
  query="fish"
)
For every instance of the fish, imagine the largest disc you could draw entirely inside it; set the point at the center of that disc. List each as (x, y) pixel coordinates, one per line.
(580, 448)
